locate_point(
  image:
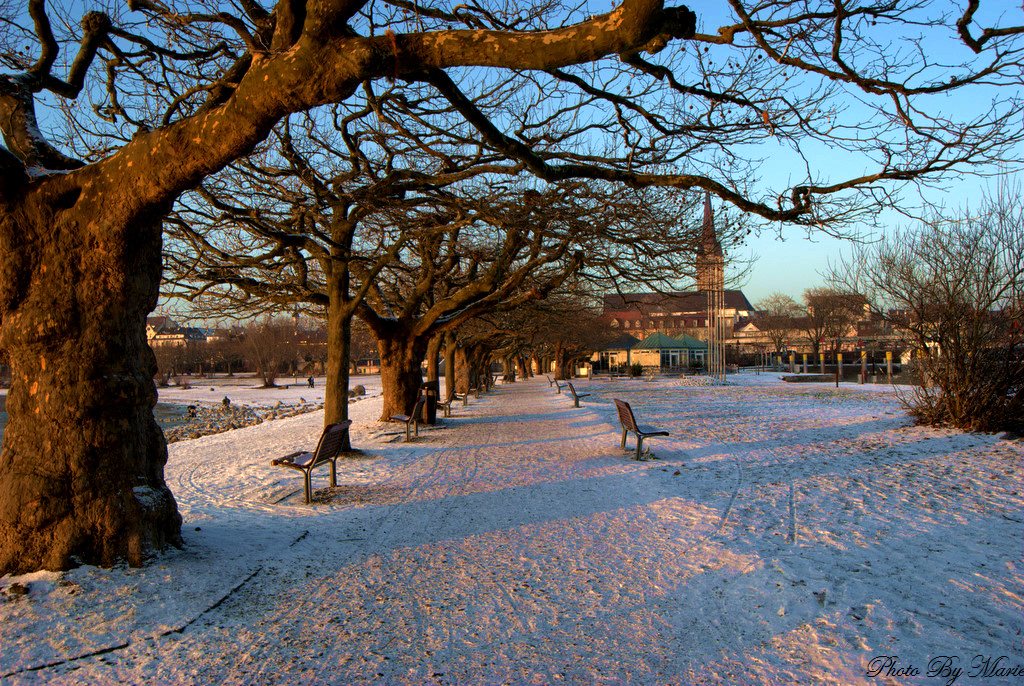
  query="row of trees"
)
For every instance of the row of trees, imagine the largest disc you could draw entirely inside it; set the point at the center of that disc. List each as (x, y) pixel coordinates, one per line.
(414, 194)
(269, 346)
(826, 316)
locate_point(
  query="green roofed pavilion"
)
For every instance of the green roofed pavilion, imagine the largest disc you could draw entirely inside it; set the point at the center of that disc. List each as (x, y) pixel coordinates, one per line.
(664, 352)
(662, 341)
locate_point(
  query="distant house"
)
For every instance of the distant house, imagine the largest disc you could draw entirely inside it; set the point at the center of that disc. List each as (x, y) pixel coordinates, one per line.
(368, 365)
(677, 313)
(220, 335)
(163, 331)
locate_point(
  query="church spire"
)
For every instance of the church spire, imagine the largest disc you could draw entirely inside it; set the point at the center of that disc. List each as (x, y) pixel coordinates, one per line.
(710, 260)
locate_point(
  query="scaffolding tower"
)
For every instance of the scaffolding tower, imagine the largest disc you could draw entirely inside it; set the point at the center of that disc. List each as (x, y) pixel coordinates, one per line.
(711, 280)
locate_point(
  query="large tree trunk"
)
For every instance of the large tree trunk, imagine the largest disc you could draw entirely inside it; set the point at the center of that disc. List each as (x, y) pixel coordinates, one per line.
(508, 368)
(477, 363)
(339, 342)
(401, 377)
(449, 365)
(462, 371)
(82, 467)
(433, 353)
(560, 372)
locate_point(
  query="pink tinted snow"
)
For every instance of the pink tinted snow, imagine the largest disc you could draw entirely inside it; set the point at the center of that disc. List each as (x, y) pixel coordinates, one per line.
(807, 531)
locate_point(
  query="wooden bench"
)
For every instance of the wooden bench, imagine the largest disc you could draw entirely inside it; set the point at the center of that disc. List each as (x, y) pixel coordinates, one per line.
(551, 381)
(628, 422)
(328, 450)
(558, 386)
(576, 396)
(446, 406)
(411, 419)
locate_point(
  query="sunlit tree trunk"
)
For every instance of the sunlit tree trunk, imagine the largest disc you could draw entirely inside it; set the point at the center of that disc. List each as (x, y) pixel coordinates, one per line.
(433, 357)
(449, 365)
(82, 467)
(339, 344)
(401, 376)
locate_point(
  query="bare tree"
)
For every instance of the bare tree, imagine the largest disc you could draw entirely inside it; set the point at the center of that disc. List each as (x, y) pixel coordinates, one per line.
(777, 318)
(271, 345)
(955, 288)
(831, 316)
(299, 223)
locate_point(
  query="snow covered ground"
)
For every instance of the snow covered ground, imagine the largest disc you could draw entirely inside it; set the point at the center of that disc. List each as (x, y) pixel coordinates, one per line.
(785, 534)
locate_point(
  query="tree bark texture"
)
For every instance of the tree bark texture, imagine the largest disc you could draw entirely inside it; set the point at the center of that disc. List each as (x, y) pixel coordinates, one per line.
(560, 366)
(400, 372)
(82, 467)
(462, 380)
(449, 365)
(433, 353)
(339, 345)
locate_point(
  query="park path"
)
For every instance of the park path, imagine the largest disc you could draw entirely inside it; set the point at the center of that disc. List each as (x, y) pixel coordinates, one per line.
(777, 538)
(519, 544)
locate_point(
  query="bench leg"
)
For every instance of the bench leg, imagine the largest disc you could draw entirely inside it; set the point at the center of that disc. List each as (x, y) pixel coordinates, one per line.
(407, 439)
(576, 401)
(639, 445)
(308, 487)
(623, 444)
(334, 473)
(416, 428)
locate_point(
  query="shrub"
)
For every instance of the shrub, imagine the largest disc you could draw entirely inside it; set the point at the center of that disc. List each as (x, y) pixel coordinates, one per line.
(954, 288)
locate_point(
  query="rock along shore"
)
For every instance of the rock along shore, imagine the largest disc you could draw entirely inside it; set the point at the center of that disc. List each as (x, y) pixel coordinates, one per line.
(218, 419)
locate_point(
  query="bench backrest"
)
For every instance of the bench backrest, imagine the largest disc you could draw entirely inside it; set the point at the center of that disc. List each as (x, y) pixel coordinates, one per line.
(417, 409)
(332, 440)
(625, 414)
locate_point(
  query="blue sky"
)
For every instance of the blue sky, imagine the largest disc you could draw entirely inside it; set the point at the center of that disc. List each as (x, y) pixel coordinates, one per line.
(788, 259)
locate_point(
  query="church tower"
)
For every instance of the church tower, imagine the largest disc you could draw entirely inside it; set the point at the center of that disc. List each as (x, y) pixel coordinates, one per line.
(710, 260)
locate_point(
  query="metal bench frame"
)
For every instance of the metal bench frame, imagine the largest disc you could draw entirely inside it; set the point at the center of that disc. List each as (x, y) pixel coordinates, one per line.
(446, 406)
(328, 450)
(413, 419)
(576, 396)
(628, 421)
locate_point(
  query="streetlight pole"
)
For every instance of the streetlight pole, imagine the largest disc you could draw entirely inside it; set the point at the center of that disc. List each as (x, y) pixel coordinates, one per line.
(839, 360)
